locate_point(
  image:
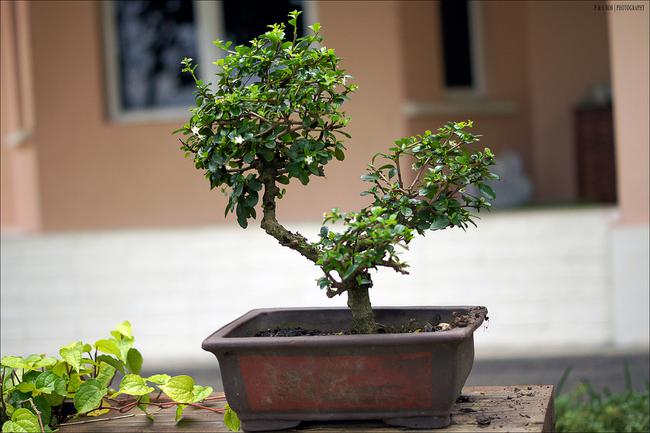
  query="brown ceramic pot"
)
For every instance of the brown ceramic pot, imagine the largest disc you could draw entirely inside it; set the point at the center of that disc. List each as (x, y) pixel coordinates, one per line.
(409, 379)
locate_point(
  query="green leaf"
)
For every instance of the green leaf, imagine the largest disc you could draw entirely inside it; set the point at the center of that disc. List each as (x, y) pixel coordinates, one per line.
(241, 216)
(26, 387)
(201, 392)
(60, 369)
(54, 399)
(179, 412)
(98, 412)
(15, 362)
(44, 408)
(231, 419)
(338, 154)
(108, 346)
(132, 384)
(74, 383)
(487, 191)
(105, 374)
(124, 344)
(369, 177)
(439, 222)
(351, 270)
(48, 382)
(406, 211)
(180, 389)
(119, 365)
(315, 27)
(143, 404)
(45, 362)
(22, 420)
(159, 379)
(89, 396)
(123, 329)
(134, 360)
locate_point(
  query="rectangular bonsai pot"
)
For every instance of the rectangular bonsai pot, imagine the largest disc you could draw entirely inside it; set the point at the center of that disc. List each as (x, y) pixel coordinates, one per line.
(408, 379)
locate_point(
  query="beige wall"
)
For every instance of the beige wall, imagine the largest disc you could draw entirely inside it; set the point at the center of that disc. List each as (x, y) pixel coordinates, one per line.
(19, 189)
(94, 173)
(629, 48)
(8, 118)
(567, 54)
(505, 75)
(366, 38)
(540, 61)
(80, 170)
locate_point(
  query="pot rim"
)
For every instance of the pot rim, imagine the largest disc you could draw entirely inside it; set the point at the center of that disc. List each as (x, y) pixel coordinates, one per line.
(219, 341)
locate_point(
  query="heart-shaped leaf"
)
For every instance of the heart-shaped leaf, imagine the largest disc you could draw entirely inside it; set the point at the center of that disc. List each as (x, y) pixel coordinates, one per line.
(133, 384)
(89, 396)
(179, 389)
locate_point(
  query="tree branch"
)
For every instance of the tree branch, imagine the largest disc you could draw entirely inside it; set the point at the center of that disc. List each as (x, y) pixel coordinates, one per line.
(397, 267)
(270, 224)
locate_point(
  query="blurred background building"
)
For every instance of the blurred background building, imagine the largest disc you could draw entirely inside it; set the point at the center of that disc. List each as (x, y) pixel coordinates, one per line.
(103, 220)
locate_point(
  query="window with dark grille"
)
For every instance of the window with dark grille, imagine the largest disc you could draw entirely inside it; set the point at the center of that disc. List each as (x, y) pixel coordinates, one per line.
(246, 19)
(456, 43)
(152, 38)
(148, 38)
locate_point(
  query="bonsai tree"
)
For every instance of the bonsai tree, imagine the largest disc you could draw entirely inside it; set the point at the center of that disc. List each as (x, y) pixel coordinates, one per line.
(275, 116)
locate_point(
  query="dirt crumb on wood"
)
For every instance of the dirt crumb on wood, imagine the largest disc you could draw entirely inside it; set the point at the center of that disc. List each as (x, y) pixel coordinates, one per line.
(483, 420)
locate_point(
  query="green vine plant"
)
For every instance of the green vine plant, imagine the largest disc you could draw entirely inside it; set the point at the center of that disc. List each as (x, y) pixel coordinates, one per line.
(275, 116)
(41, 393)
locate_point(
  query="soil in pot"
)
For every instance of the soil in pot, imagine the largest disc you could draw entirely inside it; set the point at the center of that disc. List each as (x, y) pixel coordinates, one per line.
(460, 320)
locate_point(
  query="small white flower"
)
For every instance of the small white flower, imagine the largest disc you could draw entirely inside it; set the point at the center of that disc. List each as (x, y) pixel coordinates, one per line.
(195, 130)
(345, 80)
(238, 140)
(309, 159)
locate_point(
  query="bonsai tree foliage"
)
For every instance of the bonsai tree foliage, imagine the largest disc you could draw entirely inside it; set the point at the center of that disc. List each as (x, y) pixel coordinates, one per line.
(275, 115)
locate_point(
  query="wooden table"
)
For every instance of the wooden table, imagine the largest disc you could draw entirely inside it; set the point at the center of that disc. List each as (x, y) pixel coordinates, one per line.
(524, 408)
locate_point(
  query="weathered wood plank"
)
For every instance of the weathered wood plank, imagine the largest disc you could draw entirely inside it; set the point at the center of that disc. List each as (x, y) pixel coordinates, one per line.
(524, 408)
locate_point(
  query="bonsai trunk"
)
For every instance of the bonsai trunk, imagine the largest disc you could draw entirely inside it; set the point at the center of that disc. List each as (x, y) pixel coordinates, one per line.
(363, 319)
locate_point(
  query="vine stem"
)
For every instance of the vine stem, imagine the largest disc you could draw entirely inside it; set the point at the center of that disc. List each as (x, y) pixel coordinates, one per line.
(38, 414)
(98, 419)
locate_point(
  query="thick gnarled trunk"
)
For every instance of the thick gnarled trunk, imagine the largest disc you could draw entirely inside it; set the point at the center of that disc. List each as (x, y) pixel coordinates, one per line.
(363, 318)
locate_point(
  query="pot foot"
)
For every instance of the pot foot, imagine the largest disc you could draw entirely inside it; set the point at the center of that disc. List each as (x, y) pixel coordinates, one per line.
(268, 424)
(420, 421)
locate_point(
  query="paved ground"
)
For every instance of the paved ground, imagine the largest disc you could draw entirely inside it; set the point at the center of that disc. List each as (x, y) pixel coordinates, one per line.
(600, 370)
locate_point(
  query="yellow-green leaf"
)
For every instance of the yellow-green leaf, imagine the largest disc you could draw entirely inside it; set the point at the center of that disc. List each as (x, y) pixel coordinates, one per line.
(98, 412)
(179, 389)
(179, 412)
(159, 379)
(105, 373)
(201, 392)
(22, 420)
(231, 419)
(123, 329)
(133, 384)
(72, 354)
(15, 362)
(108, 346)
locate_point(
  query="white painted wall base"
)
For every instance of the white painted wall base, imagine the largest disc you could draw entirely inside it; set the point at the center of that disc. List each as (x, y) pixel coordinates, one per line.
(630, 258)
(553, 280)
